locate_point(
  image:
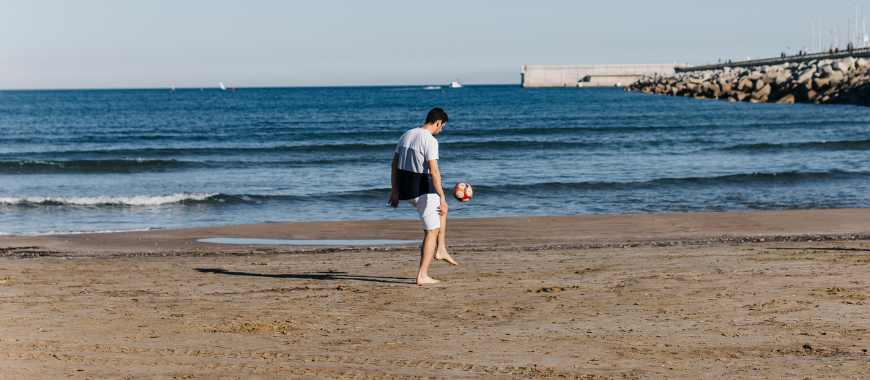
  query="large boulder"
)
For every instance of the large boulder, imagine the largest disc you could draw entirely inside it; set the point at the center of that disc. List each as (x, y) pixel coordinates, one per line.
(857, 80)
(745, 84)
(836, 77)
(759, 84)
(787, 99)
(806, 76)
(844, 64)
(763, 92)
(714, 91)
(820, 84)
(802, 90)
(758, 99)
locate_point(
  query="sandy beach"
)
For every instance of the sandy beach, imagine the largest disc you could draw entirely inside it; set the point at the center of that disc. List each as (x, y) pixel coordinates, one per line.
(706, 295)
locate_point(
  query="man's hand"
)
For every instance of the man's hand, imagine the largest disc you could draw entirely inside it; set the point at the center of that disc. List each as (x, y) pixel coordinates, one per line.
(436, 183)
(394, 199)
(394, 181)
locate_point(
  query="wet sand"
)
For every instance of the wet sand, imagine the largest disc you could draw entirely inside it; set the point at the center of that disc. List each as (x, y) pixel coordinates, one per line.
(734, 295)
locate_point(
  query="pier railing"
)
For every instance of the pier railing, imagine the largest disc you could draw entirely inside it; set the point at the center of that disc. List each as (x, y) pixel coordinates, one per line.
(856, 53)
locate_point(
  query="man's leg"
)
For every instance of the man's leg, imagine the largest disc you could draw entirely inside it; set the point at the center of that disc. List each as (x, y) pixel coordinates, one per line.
(430, 242)
(441, 252)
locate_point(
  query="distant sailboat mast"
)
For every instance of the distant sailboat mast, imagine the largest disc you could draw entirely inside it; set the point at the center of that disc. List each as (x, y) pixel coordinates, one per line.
(866, 37)
(864, 30)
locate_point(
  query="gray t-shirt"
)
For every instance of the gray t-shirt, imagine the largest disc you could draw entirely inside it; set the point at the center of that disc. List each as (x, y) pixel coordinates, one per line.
(415, 149)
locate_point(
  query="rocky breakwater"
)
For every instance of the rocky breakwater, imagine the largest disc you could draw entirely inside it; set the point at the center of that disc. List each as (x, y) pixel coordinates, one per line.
(843, 81)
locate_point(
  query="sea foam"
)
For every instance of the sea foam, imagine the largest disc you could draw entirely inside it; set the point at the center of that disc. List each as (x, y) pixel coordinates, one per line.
(135, 200)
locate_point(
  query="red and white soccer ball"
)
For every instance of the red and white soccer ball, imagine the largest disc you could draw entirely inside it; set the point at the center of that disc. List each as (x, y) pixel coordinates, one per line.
(463, 192)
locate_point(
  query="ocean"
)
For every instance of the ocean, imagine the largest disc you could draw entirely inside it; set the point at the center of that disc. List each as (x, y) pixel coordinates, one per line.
(116, 160)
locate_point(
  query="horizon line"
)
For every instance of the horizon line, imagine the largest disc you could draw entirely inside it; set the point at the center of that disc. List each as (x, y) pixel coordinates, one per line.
(215, 87)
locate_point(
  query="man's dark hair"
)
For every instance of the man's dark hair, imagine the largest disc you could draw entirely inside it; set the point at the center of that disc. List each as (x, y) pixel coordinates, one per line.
(436, 114)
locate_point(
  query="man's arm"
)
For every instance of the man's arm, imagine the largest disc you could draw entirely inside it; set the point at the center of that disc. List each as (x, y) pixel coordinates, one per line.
(436, 183)
(394, 181)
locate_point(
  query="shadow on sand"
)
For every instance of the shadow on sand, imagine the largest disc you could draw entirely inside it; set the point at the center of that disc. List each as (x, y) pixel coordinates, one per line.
(320, 276)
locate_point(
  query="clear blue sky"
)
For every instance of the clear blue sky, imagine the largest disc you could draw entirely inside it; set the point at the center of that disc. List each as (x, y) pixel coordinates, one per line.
(158, 43)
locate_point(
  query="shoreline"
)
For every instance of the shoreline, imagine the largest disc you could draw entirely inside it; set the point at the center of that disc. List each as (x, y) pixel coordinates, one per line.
(581, 231)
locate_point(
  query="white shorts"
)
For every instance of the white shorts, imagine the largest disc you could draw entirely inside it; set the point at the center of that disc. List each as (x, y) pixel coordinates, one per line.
(428, 206)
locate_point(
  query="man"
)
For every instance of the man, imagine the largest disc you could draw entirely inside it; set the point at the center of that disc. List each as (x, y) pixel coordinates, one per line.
(415, 177)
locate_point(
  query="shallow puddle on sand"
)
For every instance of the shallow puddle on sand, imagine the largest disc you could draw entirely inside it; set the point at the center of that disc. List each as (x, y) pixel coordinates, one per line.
(331, 243)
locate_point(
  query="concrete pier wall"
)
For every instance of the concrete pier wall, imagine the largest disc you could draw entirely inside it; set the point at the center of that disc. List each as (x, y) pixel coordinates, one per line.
(801, 58)
(538, 76)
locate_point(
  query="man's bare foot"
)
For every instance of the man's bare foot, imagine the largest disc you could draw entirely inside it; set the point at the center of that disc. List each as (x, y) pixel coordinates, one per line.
(444, 256)
(426, 281)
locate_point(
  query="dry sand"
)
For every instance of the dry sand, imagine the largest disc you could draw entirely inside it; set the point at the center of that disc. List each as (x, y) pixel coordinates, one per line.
(754, 295)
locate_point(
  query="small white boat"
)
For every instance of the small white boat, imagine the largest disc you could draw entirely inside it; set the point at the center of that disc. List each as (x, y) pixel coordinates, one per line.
(455, 84)
(430, 88)
(223, 87)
